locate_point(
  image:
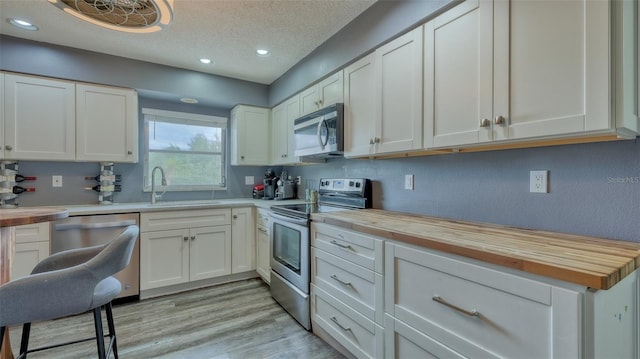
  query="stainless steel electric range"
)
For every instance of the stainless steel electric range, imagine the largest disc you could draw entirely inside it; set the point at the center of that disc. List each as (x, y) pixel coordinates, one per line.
(290, 240)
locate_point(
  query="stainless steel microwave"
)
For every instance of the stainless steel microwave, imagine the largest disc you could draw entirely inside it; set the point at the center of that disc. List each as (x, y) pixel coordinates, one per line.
(320, 133)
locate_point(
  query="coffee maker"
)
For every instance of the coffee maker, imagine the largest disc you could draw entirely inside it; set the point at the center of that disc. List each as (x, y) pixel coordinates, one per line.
(270, 184)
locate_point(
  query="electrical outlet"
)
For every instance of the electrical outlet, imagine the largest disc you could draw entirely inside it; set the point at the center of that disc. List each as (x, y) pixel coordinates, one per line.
(539, 181)
(248, 180)
(408, 182)
(56, 181)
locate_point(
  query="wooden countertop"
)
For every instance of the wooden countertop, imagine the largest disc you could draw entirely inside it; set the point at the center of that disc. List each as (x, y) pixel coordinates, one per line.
(28, 215)
(594, 262)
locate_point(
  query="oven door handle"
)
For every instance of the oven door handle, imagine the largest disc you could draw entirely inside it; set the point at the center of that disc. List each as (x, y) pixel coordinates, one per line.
(298, 221)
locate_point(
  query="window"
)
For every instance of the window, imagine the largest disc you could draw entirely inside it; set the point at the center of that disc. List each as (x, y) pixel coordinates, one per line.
(190, 149)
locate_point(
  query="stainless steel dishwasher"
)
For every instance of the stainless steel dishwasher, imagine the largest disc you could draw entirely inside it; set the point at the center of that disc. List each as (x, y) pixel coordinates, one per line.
(92, 230)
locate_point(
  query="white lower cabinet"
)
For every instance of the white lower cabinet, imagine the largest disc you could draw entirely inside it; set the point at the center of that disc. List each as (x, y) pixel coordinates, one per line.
(347, 288)
(443, 306)
(32, 246)
(243, 240)
(184, 246)
(263, 254)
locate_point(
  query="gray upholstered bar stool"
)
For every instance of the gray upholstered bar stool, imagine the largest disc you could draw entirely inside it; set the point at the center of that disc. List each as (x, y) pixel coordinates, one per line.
(68, 283)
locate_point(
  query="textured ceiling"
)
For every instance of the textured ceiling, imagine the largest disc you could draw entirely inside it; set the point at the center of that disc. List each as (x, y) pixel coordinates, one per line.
(227, 31)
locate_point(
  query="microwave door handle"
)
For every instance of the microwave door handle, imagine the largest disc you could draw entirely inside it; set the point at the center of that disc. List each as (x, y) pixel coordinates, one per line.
(322, 142)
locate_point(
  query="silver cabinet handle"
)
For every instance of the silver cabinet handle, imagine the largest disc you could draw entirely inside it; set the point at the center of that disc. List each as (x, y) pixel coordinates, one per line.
(129, 152)
(371, 141)
(242, 157)
(485, 122)
(335, 320)
(500, 121)
(8, 148)
(471, 313)
(376, 140)
(335, 277)
(193, 238)
(346, 246)
(185, 238)
(235, 216)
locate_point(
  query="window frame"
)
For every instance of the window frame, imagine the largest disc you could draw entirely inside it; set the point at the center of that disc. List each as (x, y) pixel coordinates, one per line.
(150, 115)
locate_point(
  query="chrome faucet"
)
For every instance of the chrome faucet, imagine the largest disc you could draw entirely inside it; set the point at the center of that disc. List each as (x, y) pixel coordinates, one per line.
(154, 196)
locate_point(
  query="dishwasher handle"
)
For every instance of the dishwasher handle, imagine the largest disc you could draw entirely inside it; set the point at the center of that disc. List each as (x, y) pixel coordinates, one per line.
(97, 225)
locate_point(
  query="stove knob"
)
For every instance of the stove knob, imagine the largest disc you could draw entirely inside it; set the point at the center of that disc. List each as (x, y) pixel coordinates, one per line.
(357, 184)
(350, 183)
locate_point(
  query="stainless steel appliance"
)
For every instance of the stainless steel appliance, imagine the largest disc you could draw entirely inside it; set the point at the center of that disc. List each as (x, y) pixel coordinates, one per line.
(270, 183)
(286, 189)
(290, 241)
(92, 230)
(321, 133)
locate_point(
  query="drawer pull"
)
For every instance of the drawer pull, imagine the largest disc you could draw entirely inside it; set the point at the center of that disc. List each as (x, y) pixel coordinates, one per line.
(471, 313)
(346, 246)
(335, 277)
(335, 320)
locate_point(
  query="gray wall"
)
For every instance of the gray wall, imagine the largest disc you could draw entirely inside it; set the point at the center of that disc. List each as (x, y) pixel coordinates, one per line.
(594, 188)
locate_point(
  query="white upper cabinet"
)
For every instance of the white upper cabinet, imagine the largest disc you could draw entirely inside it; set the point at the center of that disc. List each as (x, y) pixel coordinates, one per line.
(282, 140)
(383, 99)
(325, 93)
(54, 120)
(106, 124)
(399, 94)
(359, 109)
(250, 133)
(2, 114)
(511, 70)
(39, 121)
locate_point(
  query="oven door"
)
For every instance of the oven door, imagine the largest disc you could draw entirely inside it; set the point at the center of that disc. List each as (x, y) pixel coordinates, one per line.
(289, 238)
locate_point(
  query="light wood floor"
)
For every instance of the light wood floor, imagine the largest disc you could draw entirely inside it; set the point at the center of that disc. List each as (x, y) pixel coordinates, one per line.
(236, 320)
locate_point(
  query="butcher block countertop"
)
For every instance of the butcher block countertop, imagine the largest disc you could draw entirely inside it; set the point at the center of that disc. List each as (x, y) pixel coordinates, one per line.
(594, 262)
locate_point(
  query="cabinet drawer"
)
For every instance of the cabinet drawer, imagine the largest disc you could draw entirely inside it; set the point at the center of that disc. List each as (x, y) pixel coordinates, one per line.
(356, 286)
(162, 221)
(403, 341)
(352, 246)
(362, 337)
(437, 295)
(263, 217)
(37, 232)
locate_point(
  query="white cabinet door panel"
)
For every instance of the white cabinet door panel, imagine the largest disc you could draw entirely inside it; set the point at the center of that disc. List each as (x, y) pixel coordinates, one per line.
(39, 118)
(164, 258)
(210, 252)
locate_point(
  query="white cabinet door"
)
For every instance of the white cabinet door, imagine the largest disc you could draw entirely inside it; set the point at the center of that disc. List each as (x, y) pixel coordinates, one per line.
(28, 255)
(243, 240)
(106, 124)
(563, 64)
(164, 258)
(359, 109)
(399, 97)
(250, 135)
(309, 100)
(263, 266)
(39, 118)
(210, 252)
(283, 146)
(458, 70)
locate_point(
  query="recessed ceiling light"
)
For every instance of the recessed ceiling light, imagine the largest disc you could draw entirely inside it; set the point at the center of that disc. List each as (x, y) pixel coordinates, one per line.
(262, 52)
(205, 61)
(188, 100)
(25, 25)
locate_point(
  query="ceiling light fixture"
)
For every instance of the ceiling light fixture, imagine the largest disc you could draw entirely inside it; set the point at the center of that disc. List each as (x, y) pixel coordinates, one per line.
(189, 100)
(262, 52)
(137, 16)
(24, 25)
(205, 61)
